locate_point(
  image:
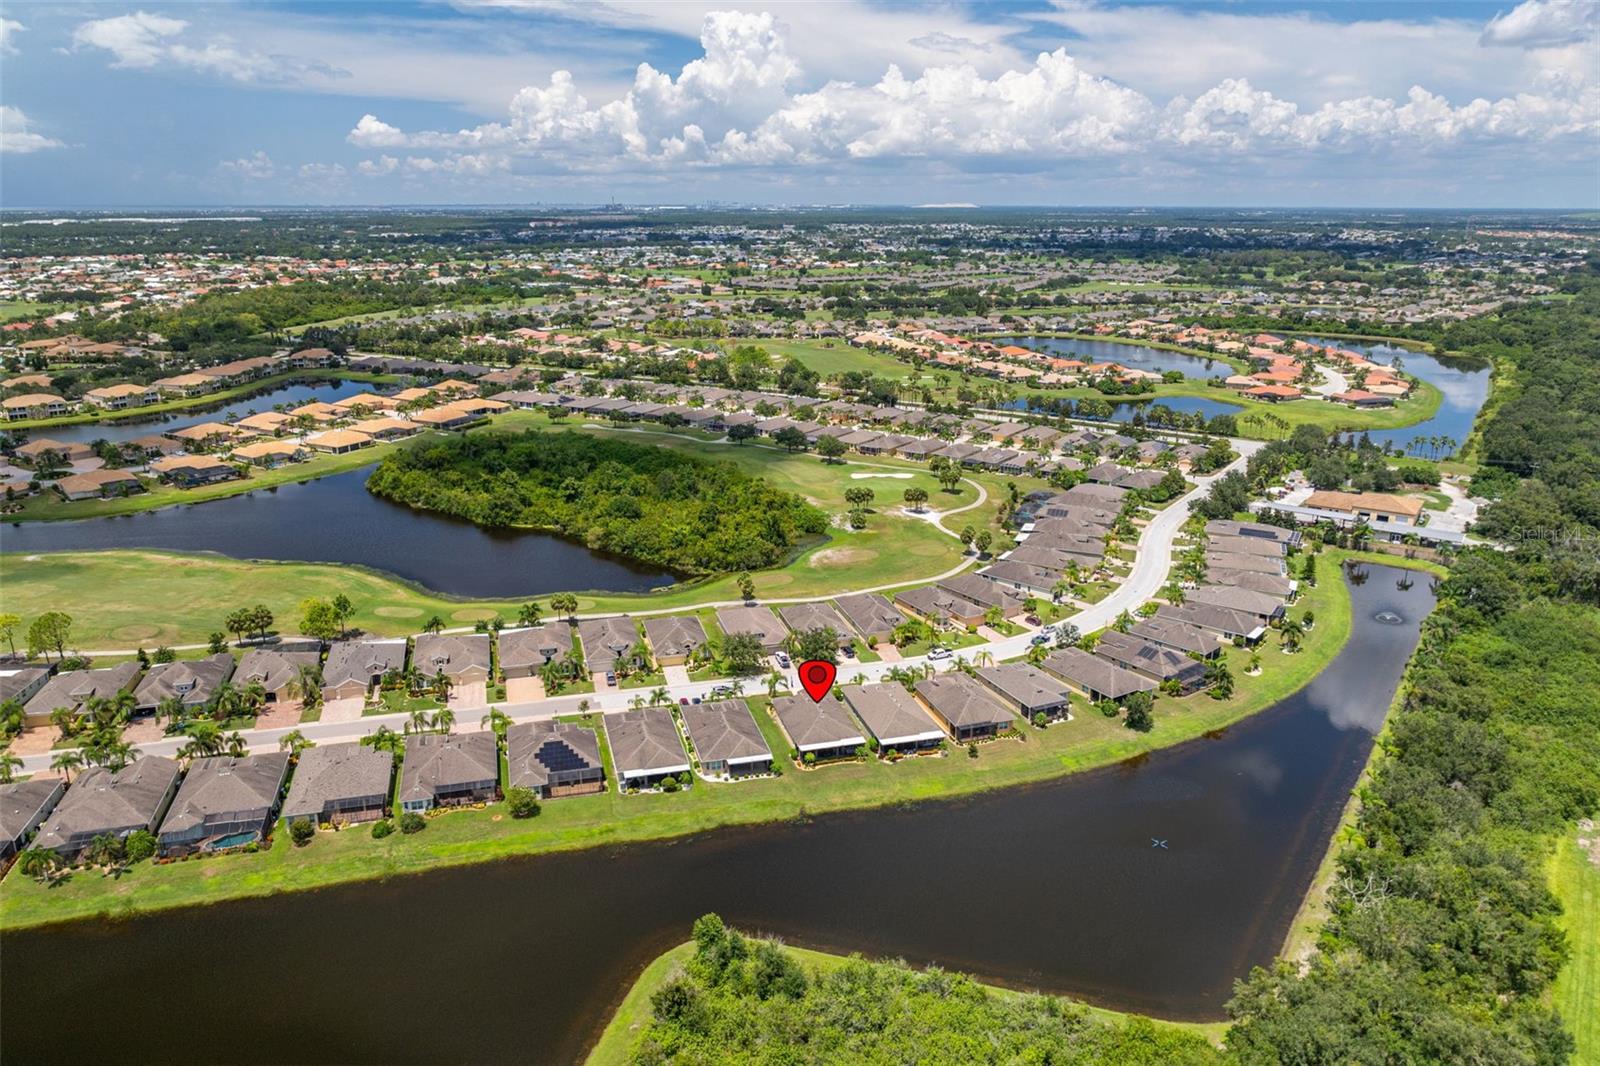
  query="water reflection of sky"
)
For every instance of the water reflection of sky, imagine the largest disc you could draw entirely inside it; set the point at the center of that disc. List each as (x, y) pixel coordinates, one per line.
(1463, 390)
(133, 428)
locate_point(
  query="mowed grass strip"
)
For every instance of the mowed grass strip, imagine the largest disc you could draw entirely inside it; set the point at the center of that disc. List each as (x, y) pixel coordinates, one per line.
(1575, 879)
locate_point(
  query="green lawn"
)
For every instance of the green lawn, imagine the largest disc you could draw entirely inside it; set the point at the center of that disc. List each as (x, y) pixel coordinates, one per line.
(11, 310)
(633, 1014)
(180, 598)
(1088, 741)
(1575, 879)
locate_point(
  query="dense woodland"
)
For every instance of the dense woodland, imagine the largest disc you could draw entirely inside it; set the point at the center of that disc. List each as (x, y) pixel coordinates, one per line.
(752, 1001)
(651, 504)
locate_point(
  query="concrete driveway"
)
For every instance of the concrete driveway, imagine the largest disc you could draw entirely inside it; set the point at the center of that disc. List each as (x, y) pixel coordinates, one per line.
(345, 710)
(470, 696)
(524, 689)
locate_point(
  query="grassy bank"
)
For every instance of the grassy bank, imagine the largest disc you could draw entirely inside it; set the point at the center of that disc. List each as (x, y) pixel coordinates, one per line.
(463, 837)
(633, 1014)
(1575, 879)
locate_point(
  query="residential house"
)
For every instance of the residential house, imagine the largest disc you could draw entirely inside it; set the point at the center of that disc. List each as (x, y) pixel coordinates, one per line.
(1179, 636)
(823, 728)
(986, 593)
(193, 682)
(554, 759)
(33, 452)
(462, 658)
(1027, 690)
(1022, 577)
(106, 802)
(871, 615)
(22, 683)
(271, 453)
(386, 429)
(726, 739)
(98, 484)
(1376, 509)
(525, 652)
(225, 802)
(896, 720)
(24, 805)
(449, 770)
(675, 639)
(1257, 604)
(645, 747)
(1284, 588)
(961, 705)
(72, 689)
(1284, 538)
(1249, 562)
(36, 405)
(1233, 625)
(756, 621)
(1155, 661)
(338, 441)
(1095, 677)
(118, 397)
(938, 606)
(356, 667)
(340, 783)
(187, 471)
(277, 672)
(804, 617)
(607, 641)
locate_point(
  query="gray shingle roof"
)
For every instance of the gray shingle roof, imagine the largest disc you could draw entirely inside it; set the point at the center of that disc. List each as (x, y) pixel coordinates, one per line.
(102, 801)
(330, 773)
(358, 660)
(224, 786)
(801, 617)
(812, 726)
(961, 701)
(1096, 675)
(537, 750)
(274, 669)
(437, 762)
(645, 742)
(891, 713)
(23, 803)
(74, 688)
(1031, 688)
(675, 634)
(454, 654)
(870, 613)
(723, 731)
(523, 648)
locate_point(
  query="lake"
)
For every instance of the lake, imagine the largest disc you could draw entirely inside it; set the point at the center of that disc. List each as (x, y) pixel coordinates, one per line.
(336, 520)
(1123, 410)
(1465, 387)
(1055, 887)
(1133, 356)
(129, 428)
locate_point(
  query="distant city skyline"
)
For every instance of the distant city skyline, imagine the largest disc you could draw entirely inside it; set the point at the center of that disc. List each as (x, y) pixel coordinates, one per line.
(1070, 103)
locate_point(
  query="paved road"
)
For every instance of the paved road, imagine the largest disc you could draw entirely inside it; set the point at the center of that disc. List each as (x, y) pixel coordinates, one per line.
(1151, 566)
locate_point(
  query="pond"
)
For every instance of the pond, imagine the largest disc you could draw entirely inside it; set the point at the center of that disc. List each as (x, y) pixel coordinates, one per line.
(1123, 410)
(1055, 887)
(336, 520)
(1133, 356)
(1464, 386)
(129, 428)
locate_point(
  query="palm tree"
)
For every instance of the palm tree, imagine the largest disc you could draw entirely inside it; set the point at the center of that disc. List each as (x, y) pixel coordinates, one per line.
(774, 682)
(307, 685)
(205, 739)
(295, 743)
(444, 720)
(983, 658)
(496, 720)
(67, 760)
(9, 765)
(385, 739)
(237, 747)
(419, 722)
(636, 702)
(658, 696)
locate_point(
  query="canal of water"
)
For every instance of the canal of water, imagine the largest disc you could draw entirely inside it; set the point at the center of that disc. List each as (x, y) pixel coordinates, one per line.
(1055, 887)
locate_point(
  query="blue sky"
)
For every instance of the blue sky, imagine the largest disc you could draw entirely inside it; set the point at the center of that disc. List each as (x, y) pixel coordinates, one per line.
(1052, 101)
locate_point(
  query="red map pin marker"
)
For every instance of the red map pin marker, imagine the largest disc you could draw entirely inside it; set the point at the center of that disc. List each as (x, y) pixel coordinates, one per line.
(816, 677)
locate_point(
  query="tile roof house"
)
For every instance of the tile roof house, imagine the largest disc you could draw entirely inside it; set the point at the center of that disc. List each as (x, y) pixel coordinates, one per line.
(894, 717)
(962, 706)
(24, 806)
(1377, 508)
(823, 728)
(354, 666)
(110, 802)
(193, 682)
(225, 802)
(524, 652)
(449, 770)
(554, 759)
(726, 739)
(645, 747)
(96, 484)
(674, 639)
(340, 782)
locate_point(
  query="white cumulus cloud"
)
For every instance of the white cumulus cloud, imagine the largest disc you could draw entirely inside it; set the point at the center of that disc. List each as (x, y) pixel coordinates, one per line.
(1545, 24)
(17, 134)
(257, 166)
(9, 28)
